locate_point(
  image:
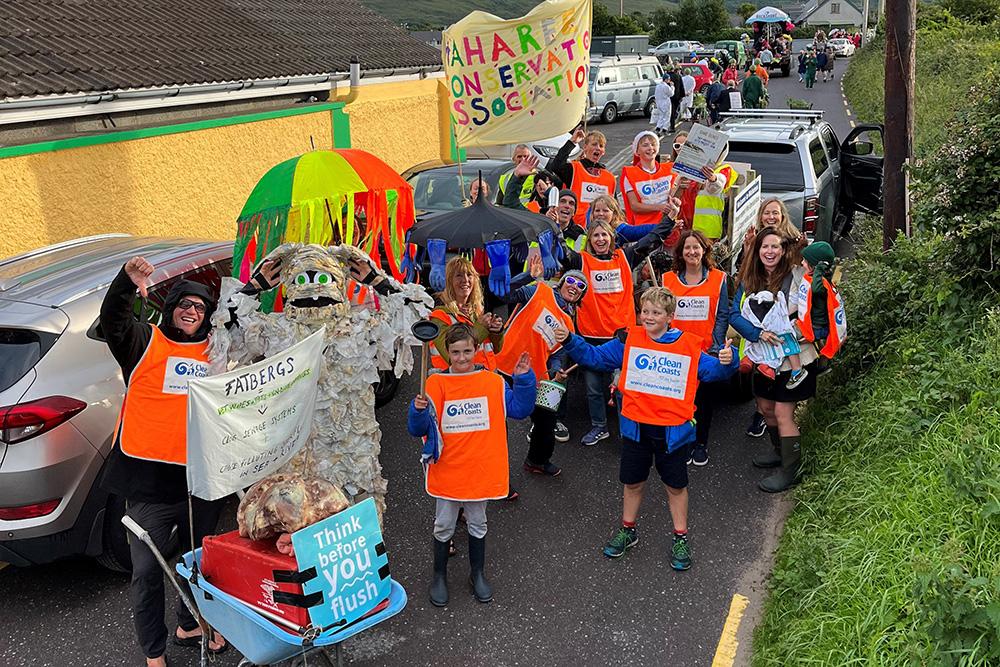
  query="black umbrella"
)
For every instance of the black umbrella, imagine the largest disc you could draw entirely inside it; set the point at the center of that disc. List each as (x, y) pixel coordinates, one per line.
(476, 225)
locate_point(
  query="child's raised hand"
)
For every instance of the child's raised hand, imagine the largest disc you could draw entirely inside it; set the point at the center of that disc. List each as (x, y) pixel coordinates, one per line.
(420, 402)
(726, 353)
(535, 267)
(561, 332)
(523, 364)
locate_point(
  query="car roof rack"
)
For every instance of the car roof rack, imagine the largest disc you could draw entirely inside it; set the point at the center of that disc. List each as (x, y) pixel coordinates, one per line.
(776, 114)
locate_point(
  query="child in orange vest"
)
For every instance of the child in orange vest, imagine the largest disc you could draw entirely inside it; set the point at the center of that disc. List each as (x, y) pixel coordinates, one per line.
(820, 308)
(660, 370)
(468, 421)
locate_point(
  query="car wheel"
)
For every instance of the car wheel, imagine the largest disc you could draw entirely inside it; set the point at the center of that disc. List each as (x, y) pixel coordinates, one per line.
(115, 556)
(610, 114)
(703, 89)
(385, 388)
(648, 111)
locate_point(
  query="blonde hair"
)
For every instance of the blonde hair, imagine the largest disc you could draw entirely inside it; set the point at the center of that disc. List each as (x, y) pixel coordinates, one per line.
(610, 203)
(594, 224)
(660, 297)
(595, 134)
(461, 266)
(785, 228)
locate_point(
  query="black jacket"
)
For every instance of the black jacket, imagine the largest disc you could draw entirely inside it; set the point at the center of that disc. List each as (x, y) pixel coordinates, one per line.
(136, 479)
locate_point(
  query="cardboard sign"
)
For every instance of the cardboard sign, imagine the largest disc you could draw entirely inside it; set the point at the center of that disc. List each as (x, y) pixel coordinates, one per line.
(516, 80)
(351, 564)
(245, 424)
(704, 147)
(744, 216)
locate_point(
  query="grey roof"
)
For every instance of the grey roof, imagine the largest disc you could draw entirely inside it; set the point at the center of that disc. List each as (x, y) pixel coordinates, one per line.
(73, 46)
(813, 6)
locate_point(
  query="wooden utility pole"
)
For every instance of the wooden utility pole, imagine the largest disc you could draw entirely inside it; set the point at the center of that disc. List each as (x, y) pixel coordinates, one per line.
(900, 25)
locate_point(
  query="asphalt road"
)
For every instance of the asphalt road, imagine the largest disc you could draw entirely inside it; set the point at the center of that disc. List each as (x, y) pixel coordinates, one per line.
(557, 599)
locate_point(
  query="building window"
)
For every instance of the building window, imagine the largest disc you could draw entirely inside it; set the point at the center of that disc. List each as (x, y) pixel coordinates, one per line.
(834, 7)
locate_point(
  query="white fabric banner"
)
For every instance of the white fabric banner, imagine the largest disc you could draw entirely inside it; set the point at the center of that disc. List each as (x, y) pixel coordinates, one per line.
(245, 424)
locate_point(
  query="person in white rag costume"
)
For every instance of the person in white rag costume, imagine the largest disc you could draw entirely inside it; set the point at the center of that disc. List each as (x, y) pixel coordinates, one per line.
(344, 443)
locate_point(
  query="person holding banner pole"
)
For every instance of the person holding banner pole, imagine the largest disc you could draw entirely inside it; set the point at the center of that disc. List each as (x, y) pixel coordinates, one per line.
(465, 410)
(147, 464)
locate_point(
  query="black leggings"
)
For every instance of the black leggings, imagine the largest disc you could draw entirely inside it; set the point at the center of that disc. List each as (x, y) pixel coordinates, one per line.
(543, 440)
(707, 396)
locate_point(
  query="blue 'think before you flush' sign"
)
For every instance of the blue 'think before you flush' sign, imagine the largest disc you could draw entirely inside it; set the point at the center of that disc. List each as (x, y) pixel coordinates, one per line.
(352, 568)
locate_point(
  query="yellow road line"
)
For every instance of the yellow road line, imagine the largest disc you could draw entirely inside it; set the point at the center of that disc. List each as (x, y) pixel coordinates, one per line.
(3, 564)
(725, 652)
(852, 123)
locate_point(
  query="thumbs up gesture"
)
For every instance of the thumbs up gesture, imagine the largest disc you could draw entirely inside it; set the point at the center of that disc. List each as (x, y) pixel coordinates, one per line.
(726, 353)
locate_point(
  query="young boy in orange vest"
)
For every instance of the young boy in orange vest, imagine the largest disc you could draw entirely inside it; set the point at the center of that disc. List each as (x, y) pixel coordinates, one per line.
(660, 370)
(468, 421)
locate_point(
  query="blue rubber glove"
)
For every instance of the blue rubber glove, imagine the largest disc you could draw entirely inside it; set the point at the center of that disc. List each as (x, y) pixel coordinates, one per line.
(437, 250)
(549, 262)
(432, 445)
(498, 253)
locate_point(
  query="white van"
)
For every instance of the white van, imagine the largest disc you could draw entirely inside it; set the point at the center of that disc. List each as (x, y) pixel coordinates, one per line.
(622, 85)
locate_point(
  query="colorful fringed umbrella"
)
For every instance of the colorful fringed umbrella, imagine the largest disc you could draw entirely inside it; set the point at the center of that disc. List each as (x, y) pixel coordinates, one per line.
(315, 197)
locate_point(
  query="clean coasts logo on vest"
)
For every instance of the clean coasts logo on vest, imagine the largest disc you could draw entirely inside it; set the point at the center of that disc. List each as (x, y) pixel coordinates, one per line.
(692, 308)
(179, 371)
(592, 191)
(606, 282)
(545, 326)
(658, 373)
(655, 191)
(465, 415)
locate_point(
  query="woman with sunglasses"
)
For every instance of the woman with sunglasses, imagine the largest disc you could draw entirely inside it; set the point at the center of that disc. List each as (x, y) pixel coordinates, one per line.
(539, 308)
(608, 304)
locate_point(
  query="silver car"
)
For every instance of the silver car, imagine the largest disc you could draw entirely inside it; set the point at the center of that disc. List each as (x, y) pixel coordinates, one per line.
(61, 390)
(822, 181)
(621, 85)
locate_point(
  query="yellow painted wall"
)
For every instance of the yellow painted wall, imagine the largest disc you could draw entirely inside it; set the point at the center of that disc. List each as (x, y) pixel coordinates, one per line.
(195, 183)
(402, 123)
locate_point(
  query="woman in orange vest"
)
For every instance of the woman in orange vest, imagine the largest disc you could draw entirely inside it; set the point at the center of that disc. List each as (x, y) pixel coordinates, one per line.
(585, 176)
(146, 466)
(703, 310)
(660, 371)
(531, 328)
(609, 303)
(462, 301)
(468, 466)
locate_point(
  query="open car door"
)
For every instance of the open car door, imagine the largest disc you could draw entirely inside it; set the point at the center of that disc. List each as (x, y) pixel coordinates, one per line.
(861, 170)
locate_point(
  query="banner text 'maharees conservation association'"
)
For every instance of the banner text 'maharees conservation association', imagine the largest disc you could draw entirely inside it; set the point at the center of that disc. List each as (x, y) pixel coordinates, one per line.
(521, 79)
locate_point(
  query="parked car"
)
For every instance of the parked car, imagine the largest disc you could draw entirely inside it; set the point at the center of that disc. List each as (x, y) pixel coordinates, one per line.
(675, 49)
(444, 186)
(842, 47)
(823, 181)
(701, 73)
(61, 390)
(622, 85)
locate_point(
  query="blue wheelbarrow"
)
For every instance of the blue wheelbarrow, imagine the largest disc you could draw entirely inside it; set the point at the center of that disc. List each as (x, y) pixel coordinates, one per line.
(264, 643)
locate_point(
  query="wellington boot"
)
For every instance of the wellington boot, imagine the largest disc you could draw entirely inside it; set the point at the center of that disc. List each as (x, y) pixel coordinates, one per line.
(439, 584)
(477, 560)
(770, 457)
(791, 468)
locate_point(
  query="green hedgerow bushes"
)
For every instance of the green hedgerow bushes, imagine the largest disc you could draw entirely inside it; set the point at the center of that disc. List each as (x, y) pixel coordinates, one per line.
(892, 554)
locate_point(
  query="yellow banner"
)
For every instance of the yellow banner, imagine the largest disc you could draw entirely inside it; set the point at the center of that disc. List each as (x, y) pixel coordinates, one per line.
(517, 80)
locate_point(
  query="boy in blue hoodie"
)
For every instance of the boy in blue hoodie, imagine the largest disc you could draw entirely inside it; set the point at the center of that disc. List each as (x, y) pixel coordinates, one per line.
(660, 371)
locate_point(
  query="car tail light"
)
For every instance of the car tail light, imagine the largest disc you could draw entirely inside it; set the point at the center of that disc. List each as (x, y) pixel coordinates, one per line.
(26, 420)
(810, 215)
(29, 511)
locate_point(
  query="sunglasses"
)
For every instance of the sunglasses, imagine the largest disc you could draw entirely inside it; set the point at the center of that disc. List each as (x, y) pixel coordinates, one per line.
(188, 303)
(677, 146)
(573, 281)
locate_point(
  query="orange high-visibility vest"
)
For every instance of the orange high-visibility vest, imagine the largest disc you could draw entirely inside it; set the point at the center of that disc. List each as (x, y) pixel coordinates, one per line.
(471, 421)
(607, 304)
(697, 305)
(587, 188)
(659, 380)
(835, 313)
(485, 356)
(649, 188)
(153, 422)
(531, 329)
